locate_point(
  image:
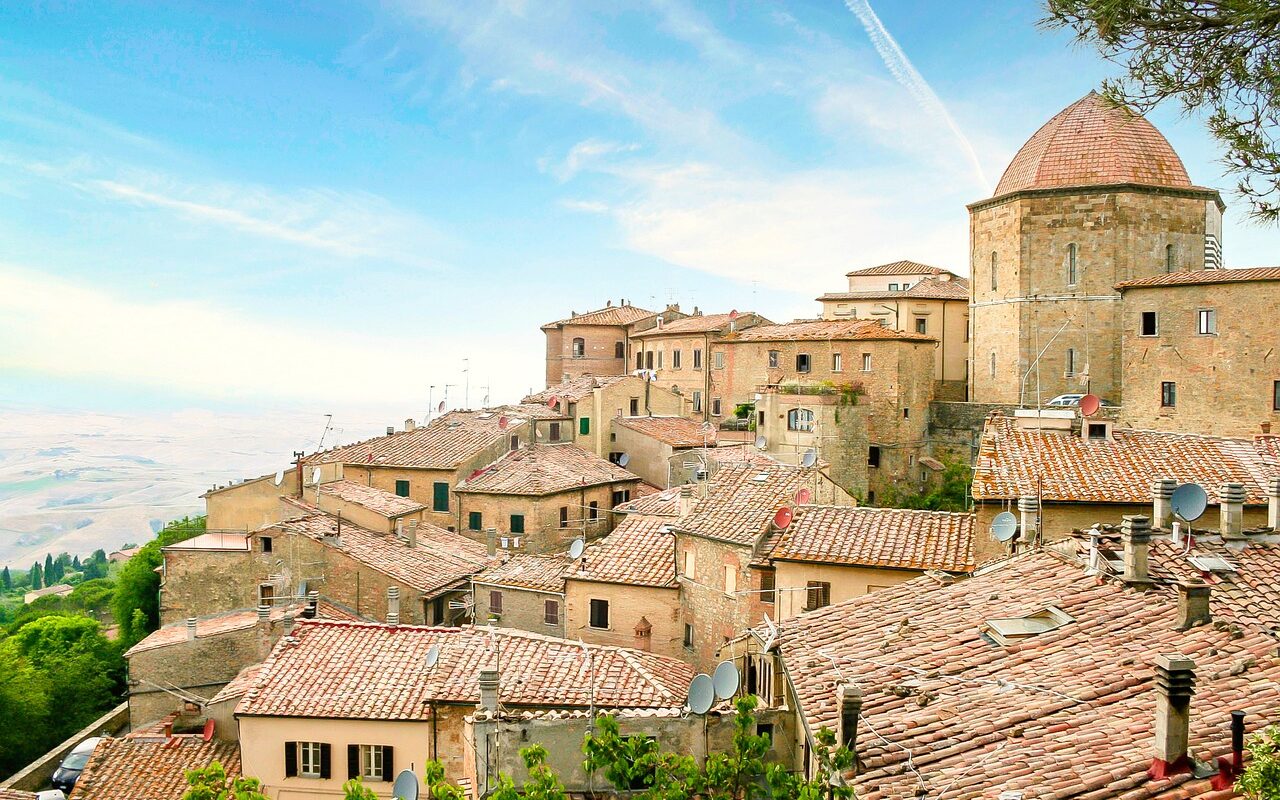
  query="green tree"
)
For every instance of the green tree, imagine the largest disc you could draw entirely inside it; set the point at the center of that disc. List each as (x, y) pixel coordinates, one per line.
(212, 783)
(37, 577)
(355, 789)
(1213, 57)
(99, 556)
(24, 705)
(136, 605)
(1261, 777)
(7, 580)
(75, 564)
(50, 571)
(949, 493)
(94, 570)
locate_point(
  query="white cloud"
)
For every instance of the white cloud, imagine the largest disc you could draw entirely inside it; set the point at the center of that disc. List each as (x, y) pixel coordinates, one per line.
(582, 155)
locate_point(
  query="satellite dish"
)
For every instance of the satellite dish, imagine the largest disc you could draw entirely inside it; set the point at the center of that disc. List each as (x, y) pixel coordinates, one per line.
(725, 680)
(1089, 404)
(810, 458)
(576, 547)
(279, 477)
(553, 401)
(315, 475)
(803, 496)
(624, 459)
(702, 692)
(761, 442)
(733, 314)
(440, 407)
(1189, 501)
(503, 422)
(782, 518)
(406, 786)
(1004, 526)
(433, 656)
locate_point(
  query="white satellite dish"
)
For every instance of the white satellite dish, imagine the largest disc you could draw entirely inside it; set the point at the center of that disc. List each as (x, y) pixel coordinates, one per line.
(1189, 501)
(1004, 526)
(433, 656)
(702, 693)
(624, 459)
(761, 442)
(809, 458)
(406, 786)
(725, 680)
(576, 547)
(315, 475)
(279, 477)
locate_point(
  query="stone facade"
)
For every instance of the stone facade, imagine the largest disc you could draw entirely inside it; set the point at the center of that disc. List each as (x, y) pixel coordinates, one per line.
(197, 582)
(716, 610)
(519, 607)
(630, 608)
(541, 516)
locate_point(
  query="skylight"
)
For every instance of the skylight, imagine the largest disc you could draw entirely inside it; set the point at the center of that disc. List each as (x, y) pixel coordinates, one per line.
(1212, 564)
(1009, 630)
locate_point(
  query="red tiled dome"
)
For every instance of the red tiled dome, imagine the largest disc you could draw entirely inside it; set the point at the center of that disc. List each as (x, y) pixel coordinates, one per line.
(1092, 143)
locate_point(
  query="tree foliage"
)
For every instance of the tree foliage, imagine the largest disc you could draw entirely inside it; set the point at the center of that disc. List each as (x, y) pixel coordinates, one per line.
(355, 789)
(212, 783)
(1220, 58)
(1261, 778)
(949, 493)
(136, 604)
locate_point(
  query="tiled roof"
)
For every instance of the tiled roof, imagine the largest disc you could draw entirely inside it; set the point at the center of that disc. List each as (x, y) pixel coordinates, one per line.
(541, 469)
(1066, 713)
(442, 444)
(535, 411)
(832, 329)
(609, 315)
(150, 769)
(1013, 463)
(896, 538)
(441, 560)
(675, 431)
(16, 794)
(176, 633)
(701, 323)
(926, 289)
(573, 390)
(60, 588)
(742, 499)
(658, 504)
(376, 500)
(640, 552)
(525, 571)
(366, 671)
(900, 268)
(740, 454)
(1204, 277)
(1093, 143)
(239, 684)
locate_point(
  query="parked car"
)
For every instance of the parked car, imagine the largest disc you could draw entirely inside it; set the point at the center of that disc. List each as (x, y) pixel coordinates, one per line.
(51, 794)
(64, 777)
(1073, 400)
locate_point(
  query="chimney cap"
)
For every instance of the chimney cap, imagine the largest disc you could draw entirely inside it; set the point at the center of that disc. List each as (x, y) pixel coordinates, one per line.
(1175, 662)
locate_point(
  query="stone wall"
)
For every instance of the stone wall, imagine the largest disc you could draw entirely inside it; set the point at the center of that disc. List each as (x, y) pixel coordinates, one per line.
(627, 605)
(523, 609)
(542, 531)
(198, 583)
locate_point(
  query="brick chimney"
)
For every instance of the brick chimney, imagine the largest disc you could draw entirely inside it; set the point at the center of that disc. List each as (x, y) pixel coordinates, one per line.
(393, 605)
(1175, 683)
(191, 628)
(1135, 533)
(684, 504)
(1161, 507)
(644, 634)
(1028, 511)
(489, 691)
(1273, 503)
(1231, 510)
(1193, 604)
(850, 701)
(411, 537)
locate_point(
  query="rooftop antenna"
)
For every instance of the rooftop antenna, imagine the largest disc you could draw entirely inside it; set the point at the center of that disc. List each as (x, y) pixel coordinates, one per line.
(431, 403)
(445, 402)
(466, 371)
(328, 426)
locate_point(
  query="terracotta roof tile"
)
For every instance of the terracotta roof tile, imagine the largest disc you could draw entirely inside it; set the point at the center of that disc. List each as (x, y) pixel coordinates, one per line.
(575, 389)
(609, 315)
(150, 769)
(1204, 277)
(525, 571)
(1012, 463)
(239, 684)
(926, 289)
(1093, 143)
(658, 504)
(443, 444)
(896, 538)
(639, 552)
(376, 500)
(702, 323)
(900, 268)
(16, 794)
(541, 469)
(741, 500)
(831, 329)
(215, 625)
(366, 671)
(675, 431)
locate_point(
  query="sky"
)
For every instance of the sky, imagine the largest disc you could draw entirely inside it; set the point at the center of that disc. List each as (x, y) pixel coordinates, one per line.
(338, 207)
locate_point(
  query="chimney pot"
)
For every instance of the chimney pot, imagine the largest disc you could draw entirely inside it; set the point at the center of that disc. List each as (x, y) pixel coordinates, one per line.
(391, 429)
(489, 691)
(1162, 507)
(491, 537)
(1231, 510)
(1273, 503)
(264, 613)
(1175, 683)
(850, 701)
(393, 605)
(1135, 532)
(411, 538)
(1028, 511)
(191, 628)
(1193, 604)
(313, 604)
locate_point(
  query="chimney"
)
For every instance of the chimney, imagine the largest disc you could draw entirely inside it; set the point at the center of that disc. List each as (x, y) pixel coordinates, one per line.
(391, 429)
(1273, 503)
(1193, 604)
(313, 604)
(1231, 513)
(489, 691)
(644, 634)
(684, 504)
(1028, 510)
(288, 626)
(1135, 532)
(264, 615)
(393, 605)
(411, 538)
(410, 425)
(1161, 505)
(191, 628)
(491, 536)
(1175, 683)
(850, 701)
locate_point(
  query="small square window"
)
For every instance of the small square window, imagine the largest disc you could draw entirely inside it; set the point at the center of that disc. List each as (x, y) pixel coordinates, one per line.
(774, 356)
(439, 496)
(1168, 394)
(893, 287)
(718, 359)
(599, 614)
(1206, 322)
(584, 426)
(564, 516)
(402, 488)
(266, 544)
(1148, 325)
(837, 363)
(922, 325)
(593, 510)
(517, 523)
(802, 362)
(635, 406)
(619, 349)
(906, 413)
(697, 401)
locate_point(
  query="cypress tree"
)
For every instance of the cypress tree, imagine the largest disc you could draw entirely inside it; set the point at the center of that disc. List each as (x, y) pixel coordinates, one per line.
(6, 579)
(49, 575)
(37, 576)
(75, 564)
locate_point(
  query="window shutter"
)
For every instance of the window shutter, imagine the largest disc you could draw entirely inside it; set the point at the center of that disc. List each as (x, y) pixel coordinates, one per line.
(584, 426)
(353, 761)
(811, 596)
(388, 763)
(290, 759)
(326, 758)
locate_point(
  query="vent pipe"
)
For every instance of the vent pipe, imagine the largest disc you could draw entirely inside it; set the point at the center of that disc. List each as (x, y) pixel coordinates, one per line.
(1161, 505)
(1135, 533)
(191, 628)
(1273, 503)
(850, 702)
(1231, 510)
(1193, 604)
(1175, 683)
(393, 605)
(489, 691)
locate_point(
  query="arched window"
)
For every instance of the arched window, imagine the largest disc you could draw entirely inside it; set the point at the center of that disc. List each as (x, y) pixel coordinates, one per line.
(1072, 271)
(993, 272)
(579, 347)
(799, 419)
(1170, 258)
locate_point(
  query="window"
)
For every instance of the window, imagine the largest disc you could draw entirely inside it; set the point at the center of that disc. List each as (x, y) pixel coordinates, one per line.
(837, 362)
(648, 360)
(639, 360)
(437, 610)
(866, 362)
(922, 325)
(802, 362)
(817, 595)
(440, 496)
(402, 488)
(715, 406)
(619, 349)
(730, 579)
(993, 363)
(1170, 258)
(906, 412)
(584, 426)
(675, 358)
(893, 287)
(873, 456)
(697, 359)
(1275, 395)
(765, 729)
(474, 521)
(551, 612)
(593, 510)
(697, 400)
(688, 636)
(689, 563)
(659, 359)
(800, 419)
(1097, 431)
(564, 516)
(718, 359)
(579, 348)
(1206, 322)
(620, 496)
(517, 523)
(1168, 394)
(1148, 325)
(768, 586)
(307, 759)
(266, 544)
(1071, 361)
(555, 431)
(495, 602)
(599, 614)
(993, 272)
(1072, 272)
(266, 594)
(514, 444)
(370, 762)
(774, 355)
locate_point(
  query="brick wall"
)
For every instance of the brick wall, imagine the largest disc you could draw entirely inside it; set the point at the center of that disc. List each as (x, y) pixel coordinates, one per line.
(599, 348)
(627, 605)
(717, 616)
(542, 531)
(524, 609)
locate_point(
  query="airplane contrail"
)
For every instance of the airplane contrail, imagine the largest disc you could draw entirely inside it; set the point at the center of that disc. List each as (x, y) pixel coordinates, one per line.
(907, 75)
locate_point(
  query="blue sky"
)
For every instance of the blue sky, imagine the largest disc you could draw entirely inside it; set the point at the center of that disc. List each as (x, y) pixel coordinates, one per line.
(327, 206)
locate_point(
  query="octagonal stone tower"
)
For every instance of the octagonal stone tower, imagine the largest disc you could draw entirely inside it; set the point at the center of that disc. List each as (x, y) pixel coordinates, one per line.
(1095, 197)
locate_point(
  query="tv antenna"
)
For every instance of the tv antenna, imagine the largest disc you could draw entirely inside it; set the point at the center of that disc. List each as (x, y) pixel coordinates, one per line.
(466, 373)
(328, 426)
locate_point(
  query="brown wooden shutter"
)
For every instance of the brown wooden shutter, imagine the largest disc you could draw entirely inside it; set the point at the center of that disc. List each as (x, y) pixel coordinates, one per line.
(290, 759)
(388, 763)
(353, 761)
(326, 760)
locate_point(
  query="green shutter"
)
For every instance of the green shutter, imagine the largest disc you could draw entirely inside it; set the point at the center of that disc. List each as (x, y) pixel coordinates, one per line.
(440, 496)
(584, 426)
(402, 488)
(517, 523)
(473, 520)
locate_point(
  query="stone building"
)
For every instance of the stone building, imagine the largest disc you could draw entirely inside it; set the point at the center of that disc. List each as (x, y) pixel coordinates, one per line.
(597, 342)
(654, 445)
(589, 403)
(1198, 356)
(909, 296)
(538, 499)
(680, 355)
(525, 592)
(1096, 197)
(207, 574)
